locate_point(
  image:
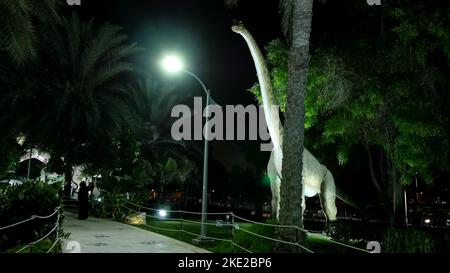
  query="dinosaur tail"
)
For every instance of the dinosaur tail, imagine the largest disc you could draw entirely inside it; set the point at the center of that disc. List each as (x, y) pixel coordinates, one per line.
(351, 202)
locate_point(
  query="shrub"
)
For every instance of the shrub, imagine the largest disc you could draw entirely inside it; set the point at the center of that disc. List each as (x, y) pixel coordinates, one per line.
(111, 206)
(408, 241)
(20, 202)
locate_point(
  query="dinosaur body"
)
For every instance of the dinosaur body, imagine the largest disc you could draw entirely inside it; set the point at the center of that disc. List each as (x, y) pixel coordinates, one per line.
(317, 179)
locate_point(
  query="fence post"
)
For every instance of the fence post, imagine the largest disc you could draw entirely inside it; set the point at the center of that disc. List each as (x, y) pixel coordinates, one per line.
(232, 232)
(181, 222)
(57, 233)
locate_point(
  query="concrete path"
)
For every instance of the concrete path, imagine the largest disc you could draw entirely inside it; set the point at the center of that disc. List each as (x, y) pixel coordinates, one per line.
(96, 235)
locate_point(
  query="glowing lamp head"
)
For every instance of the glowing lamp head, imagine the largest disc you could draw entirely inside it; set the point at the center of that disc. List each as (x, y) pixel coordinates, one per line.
(427, 221)
(162, 213)
(172, 64)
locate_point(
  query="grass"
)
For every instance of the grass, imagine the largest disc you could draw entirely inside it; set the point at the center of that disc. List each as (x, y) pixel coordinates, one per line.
(316, 242)
(224, 233)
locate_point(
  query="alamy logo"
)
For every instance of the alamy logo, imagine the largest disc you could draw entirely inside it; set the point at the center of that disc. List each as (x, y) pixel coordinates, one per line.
(374, 2)
(374, 247)
(73, 2)
(73, 247)
(241, 123)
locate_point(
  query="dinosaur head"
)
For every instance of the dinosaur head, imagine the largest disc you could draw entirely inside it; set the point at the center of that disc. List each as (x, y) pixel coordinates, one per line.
(238, 26)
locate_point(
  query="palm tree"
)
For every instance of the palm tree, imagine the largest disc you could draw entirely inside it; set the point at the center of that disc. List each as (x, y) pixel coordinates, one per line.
(87, 66)
(153, 103)
(75, 95)
(297, 23)
(19, 24)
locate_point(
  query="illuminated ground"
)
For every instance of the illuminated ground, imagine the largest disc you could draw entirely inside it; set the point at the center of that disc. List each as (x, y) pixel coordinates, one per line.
(105, 236)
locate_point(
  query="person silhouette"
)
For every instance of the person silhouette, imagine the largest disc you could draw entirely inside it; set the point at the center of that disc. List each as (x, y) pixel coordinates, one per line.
(83, 201)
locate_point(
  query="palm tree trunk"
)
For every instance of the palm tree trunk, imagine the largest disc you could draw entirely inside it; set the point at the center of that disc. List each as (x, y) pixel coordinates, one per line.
(291, 210)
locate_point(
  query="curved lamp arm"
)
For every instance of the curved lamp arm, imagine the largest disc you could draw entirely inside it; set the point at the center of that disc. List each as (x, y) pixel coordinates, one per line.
(198, 79)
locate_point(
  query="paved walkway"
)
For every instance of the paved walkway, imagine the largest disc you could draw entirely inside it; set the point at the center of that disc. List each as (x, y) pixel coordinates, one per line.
(96, 235)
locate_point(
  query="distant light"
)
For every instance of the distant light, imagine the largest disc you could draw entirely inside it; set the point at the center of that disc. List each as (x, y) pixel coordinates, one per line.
(172, 64)
(162, 213)
(427, 221)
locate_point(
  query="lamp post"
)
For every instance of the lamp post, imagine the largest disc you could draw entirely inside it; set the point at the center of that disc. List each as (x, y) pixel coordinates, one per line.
(173, 64)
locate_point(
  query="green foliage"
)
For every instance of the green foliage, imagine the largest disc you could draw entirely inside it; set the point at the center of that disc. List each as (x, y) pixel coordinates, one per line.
(384, 91)
(408, 241)
(18, 25)
(10, 153)
(111, 205)
(328, 87)
(423, 27)
(18, 203)
(396, 103)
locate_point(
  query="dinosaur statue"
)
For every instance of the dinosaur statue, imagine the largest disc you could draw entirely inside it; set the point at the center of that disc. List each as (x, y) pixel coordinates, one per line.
(317, 179)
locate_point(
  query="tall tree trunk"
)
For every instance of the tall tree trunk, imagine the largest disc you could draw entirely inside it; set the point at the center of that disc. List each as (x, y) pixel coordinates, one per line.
(398, 199)
(398, 211)
(380, 189)
(291, 203)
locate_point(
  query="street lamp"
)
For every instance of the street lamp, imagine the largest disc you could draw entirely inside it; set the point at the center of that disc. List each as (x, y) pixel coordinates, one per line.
(173, 64)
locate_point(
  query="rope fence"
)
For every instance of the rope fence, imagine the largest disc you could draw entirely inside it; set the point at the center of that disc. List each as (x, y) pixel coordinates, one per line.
(55, 229)
(231, 223)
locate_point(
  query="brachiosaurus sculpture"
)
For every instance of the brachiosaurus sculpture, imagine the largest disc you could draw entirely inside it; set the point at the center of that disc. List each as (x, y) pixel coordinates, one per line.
(317, 179)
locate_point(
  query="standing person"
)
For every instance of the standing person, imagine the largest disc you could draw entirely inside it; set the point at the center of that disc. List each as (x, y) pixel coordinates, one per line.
(83, 201)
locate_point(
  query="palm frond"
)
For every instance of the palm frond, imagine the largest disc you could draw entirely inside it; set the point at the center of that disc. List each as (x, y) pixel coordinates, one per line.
(18, 25)
(109, 72)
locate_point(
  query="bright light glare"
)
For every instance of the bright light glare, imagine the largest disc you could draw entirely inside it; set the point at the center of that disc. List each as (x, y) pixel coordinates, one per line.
(162, 213)
(172, 64)
(427, 221)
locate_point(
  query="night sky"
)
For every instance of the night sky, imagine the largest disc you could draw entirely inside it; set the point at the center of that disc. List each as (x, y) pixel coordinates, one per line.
(200, 32)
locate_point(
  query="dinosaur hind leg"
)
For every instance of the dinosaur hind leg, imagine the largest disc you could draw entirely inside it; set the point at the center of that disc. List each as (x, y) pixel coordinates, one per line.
(328, 197)
(275, 188)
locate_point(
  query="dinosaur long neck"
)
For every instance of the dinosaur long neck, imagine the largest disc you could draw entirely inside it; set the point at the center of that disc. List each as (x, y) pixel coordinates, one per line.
(270, 113)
